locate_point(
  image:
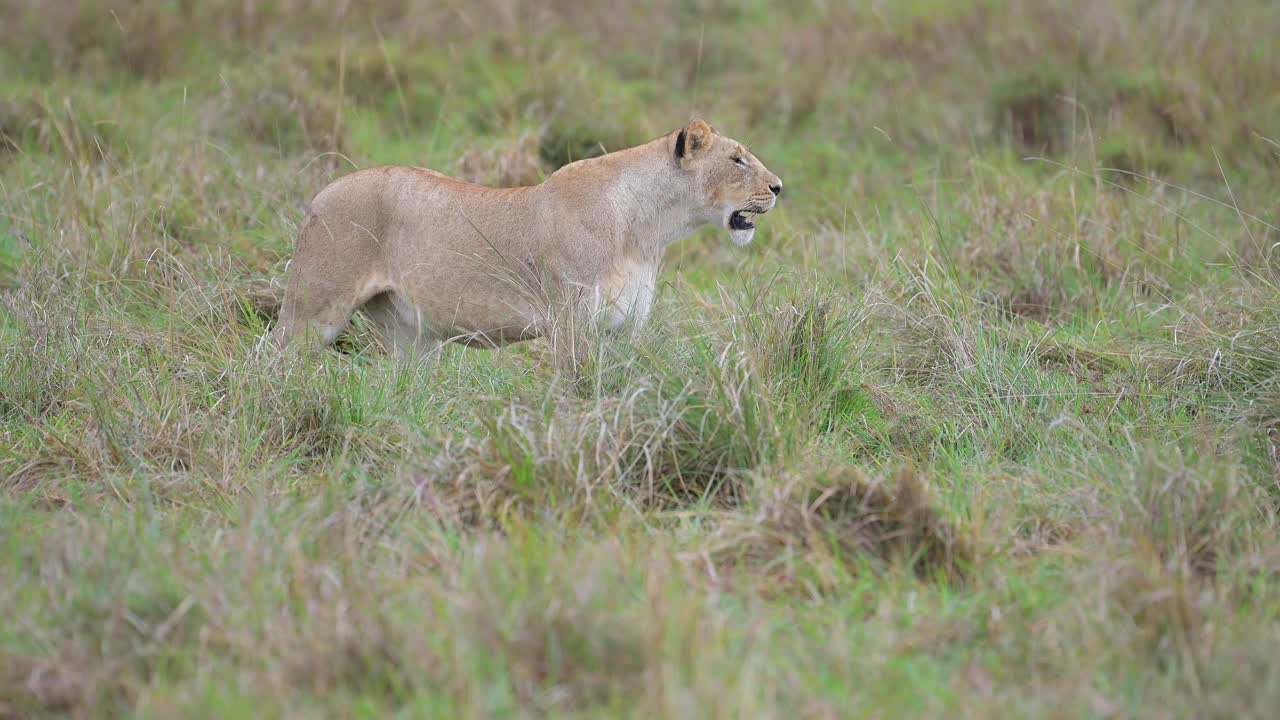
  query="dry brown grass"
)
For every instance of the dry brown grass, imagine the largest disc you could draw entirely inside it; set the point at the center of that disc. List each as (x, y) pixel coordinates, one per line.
(834, 518)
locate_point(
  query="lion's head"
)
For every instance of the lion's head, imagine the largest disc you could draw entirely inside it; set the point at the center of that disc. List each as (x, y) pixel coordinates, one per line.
(734, 184)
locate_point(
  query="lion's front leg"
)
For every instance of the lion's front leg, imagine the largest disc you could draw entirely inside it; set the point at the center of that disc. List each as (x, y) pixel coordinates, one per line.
(625, 299)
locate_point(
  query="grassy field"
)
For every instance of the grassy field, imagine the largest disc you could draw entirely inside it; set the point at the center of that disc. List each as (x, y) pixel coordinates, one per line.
(986, 422)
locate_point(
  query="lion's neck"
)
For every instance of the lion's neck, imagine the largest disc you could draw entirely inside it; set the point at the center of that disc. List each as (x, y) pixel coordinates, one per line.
(654, 197)
(643, 189)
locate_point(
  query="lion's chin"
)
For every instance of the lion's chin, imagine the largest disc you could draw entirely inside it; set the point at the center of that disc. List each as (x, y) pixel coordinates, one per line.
(742, 237)
(741, 229)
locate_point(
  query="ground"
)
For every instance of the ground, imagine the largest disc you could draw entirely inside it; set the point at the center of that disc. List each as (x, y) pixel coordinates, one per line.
(985, 423)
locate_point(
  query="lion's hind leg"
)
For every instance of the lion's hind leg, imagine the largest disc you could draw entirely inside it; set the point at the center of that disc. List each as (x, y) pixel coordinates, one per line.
(321, 310)
(398, 326)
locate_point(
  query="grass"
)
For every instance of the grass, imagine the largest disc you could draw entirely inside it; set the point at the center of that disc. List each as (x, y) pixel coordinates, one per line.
(985, 423)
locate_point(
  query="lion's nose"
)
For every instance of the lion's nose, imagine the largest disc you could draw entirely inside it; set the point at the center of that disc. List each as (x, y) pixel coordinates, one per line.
(776, 188)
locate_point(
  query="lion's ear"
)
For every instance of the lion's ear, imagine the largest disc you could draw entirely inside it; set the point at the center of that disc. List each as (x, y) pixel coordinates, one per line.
(693, 139)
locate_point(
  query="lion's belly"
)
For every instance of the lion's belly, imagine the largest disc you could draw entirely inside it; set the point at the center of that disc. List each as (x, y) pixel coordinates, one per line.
(485, 316)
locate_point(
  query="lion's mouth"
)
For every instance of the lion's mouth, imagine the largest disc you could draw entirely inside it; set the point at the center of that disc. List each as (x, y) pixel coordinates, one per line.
(741, 229)
(738, 220)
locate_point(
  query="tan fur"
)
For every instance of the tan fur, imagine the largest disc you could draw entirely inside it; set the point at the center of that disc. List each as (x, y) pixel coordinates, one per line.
(433, 259)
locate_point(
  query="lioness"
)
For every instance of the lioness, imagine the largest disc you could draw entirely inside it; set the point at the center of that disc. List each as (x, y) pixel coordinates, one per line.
(433, 259)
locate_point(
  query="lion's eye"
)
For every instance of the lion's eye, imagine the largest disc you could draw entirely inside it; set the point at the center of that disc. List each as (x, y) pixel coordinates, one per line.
(740, 161)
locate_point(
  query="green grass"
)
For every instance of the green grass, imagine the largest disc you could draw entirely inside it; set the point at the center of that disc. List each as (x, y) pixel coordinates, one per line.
(986, 422)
